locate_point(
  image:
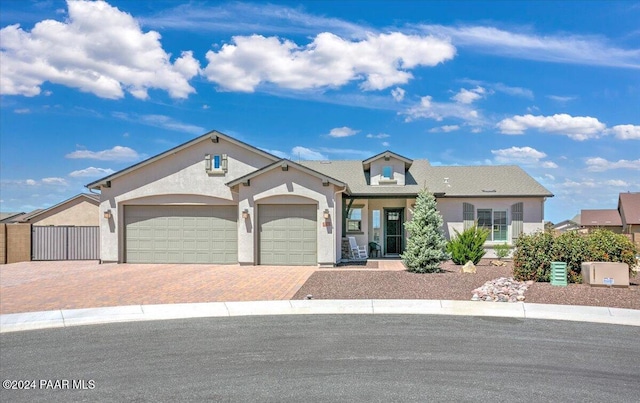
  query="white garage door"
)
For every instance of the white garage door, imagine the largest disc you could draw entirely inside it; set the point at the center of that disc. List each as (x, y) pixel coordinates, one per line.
(288, 234)
(181, 234)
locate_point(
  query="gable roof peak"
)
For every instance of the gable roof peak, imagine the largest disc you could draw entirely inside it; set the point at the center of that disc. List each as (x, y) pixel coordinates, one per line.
(386, 155)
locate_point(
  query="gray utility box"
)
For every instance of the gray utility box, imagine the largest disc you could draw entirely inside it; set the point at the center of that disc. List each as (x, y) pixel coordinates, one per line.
(605, 274)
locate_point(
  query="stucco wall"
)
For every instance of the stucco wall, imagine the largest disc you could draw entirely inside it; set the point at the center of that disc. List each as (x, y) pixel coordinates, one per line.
(179, 178)
(398, 170)
(78, 212)
(533, 217)
(286, 187)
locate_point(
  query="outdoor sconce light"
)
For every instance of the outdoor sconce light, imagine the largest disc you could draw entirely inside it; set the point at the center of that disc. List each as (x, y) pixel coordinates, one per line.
(107, 214)
(245, 214)
(326, 214)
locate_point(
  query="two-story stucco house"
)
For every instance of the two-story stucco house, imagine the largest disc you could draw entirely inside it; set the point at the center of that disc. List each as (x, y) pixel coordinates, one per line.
(215, 199)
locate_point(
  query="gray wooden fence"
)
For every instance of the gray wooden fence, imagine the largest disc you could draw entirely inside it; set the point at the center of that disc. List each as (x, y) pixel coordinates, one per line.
(65, 243)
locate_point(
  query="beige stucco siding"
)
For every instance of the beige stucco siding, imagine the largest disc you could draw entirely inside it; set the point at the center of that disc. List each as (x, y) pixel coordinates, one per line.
(398, 171)
(78, 212)
(286, 187)
(179, 178)
(451, 210)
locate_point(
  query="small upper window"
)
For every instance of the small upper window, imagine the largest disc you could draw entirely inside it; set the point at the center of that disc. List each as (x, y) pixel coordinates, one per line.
(216, 163)
(387, 172)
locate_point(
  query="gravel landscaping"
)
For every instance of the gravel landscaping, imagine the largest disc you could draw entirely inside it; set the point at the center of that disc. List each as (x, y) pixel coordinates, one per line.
(363, 283)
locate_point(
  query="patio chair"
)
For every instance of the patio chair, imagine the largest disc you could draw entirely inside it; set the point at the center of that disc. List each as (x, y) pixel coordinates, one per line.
(357, 252)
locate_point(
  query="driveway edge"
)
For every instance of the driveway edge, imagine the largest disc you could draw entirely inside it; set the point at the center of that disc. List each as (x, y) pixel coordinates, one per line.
(92, 316)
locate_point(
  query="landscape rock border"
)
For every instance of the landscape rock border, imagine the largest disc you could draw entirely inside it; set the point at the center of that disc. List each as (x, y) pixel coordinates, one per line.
(503, 289)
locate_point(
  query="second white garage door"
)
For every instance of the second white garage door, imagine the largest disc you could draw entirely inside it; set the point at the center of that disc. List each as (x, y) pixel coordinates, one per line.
(288, 234)
(181, 234)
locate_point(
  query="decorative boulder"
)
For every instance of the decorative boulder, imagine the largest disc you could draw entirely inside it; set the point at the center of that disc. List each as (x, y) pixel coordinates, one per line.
(469, 267)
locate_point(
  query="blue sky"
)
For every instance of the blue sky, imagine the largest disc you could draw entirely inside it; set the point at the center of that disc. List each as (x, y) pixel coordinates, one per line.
(89, 88)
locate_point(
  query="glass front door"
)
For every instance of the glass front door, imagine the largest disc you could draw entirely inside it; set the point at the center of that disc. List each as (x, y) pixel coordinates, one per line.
(393, 219)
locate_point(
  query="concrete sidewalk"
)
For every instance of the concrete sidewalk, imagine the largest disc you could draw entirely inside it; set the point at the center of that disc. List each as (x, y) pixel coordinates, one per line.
(93, 316)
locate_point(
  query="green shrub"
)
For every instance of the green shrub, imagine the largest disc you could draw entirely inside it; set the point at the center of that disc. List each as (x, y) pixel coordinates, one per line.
(502, 250)
(468, 245)
(605, 246)
(535, 252)
(571, 248)
(532, 258)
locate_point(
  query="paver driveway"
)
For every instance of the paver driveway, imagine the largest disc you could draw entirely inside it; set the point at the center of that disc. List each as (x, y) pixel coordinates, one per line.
(41, 286)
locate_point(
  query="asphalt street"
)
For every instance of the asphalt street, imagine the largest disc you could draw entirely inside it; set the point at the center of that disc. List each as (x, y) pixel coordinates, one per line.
(315, 358)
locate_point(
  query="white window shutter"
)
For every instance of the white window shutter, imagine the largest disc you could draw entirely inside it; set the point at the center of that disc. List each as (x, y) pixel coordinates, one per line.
(517, 216)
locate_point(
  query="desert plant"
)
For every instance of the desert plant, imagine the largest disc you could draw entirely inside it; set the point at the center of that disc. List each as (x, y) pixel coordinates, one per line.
(571, 248)
(468, 245)
(606, 246)
(426, 243)
(533, 255)
(535, 252)
(502, 250)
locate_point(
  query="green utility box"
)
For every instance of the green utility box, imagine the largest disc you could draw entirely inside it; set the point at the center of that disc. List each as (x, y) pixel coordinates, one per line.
(559, 273)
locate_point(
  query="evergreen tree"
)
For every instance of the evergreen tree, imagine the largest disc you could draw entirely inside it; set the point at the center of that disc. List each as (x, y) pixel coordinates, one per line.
(426, 244)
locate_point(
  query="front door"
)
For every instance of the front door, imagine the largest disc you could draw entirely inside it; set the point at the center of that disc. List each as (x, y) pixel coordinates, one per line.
(393, 219)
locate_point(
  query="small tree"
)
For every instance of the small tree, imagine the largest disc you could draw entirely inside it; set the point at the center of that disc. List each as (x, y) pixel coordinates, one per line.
(468, 245)
(426, 245)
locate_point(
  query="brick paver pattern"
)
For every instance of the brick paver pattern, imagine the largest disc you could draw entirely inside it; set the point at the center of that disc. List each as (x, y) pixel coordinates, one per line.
(42, 286)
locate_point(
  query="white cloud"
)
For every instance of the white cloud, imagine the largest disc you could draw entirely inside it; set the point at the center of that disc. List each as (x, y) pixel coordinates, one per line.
(561, 99)
(54, 181)
(381, 61)
(522, 155)
(385, 143)
(91, 172)
(469, 96)
(377, 136)
(598, 164)
(342, 132)
(578, 127)
(625, 132)
(445, 129)
(161, 121)
(617, 183)
(428, 109)
(398, 94)
(304, 153)
(22, 111)
(97, 49)
(30, 182)
(117, 153)
(573, 49)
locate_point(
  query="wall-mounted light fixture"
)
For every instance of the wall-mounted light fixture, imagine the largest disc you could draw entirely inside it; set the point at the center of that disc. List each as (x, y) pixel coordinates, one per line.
(245, 213)
(326, 214)
(107, 214)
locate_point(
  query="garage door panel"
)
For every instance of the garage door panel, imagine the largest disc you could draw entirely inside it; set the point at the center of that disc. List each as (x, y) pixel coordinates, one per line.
(287, 234)
(181, 234)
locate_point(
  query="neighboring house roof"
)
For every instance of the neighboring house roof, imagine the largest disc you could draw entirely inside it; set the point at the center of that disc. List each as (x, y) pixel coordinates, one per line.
(629, 206)
(213, 135)
(469, 181)
(600, 218)
(21, 217)
(285, 164)
(566, 225)
(27, 217)
(8, 216)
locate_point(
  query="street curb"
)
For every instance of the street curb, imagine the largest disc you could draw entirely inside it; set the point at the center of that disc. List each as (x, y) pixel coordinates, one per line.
(131, 313)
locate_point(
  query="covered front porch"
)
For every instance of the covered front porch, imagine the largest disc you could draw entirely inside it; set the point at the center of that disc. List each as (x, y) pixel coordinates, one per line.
(375, 222)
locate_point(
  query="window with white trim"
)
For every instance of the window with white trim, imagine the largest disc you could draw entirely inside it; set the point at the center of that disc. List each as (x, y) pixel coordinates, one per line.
(354, 220)
(495, 221)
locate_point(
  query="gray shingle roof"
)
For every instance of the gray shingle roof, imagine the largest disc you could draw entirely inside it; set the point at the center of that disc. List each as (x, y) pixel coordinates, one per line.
(463, 181)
